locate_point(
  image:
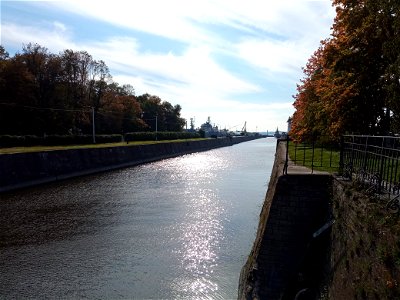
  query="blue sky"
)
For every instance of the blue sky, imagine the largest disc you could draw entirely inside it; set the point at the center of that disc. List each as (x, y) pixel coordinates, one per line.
(231, 60)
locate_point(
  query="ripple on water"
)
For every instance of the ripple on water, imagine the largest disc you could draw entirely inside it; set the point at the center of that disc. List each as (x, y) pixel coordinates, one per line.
(179, 228)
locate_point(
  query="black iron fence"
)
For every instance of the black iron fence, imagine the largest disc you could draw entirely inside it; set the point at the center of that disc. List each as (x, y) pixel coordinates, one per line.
(316, 153)
(362, 158)
(373, 160)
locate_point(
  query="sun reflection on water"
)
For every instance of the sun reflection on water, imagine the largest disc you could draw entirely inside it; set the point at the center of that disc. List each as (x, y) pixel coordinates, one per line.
(174, 229)
(200, 232)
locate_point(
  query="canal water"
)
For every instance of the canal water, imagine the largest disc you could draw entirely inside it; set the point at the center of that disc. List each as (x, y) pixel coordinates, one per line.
(180, 228)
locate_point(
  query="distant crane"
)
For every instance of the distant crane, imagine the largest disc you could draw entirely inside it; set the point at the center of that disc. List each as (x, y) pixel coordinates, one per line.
(233, 127)
(244, 130)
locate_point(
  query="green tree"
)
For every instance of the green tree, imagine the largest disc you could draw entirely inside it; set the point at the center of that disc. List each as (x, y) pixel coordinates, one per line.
(389, 17)
(168, 116)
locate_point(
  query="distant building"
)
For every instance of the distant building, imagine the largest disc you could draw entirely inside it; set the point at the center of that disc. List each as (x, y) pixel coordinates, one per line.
(209, 130)
(277, 134)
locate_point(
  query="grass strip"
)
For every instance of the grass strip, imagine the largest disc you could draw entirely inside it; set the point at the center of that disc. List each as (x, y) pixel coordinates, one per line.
(321, 158)
(108, 145)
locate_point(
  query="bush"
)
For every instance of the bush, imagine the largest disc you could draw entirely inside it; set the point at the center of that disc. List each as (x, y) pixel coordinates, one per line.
(56, 140)
(140, 136)
(33, 140)
(189, 135)
(202, 133)
(64, 140)
(109, 138)
(162, 135)
(12, 141)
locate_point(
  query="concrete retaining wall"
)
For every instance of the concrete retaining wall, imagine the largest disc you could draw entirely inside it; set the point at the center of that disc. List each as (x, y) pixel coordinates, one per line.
(365, 252)
(356, 258)
(295, 207)
(26, 169)
(299, 208)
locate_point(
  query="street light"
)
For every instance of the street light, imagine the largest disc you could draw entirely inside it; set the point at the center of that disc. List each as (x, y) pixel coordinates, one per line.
(156, 125)
(156, 118)
(93, 127)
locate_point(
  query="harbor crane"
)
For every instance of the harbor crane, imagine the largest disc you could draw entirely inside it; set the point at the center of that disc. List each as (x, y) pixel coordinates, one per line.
(244, 130)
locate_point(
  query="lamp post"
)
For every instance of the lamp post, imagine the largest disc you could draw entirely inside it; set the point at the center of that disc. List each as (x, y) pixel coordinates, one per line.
(156, 120)
(93, 127)
(156, 125)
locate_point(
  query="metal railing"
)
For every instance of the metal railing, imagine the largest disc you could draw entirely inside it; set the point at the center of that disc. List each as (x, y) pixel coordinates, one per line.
(372, 159)
(371, 162)
(314, 154)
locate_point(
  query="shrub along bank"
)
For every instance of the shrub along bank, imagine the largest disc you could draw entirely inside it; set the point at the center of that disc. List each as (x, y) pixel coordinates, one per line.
(7, 141)
(161, 136)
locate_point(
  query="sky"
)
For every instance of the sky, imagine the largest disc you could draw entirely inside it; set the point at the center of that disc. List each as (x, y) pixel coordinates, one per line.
(234, 61)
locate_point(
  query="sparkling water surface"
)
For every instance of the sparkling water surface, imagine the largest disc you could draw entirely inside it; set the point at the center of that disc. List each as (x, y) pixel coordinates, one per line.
(180, 228)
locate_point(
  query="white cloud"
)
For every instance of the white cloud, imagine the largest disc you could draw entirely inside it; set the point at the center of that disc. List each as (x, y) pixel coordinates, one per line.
(273, 56)
(169, 19)
(194, 69)
(60, 28)
(54, 36)
(183, 20)
(283, 33)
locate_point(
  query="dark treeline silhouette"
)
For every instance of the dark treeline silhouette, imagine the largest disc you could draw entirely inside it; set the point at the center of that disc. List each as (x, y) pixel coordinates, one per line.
(43, 93)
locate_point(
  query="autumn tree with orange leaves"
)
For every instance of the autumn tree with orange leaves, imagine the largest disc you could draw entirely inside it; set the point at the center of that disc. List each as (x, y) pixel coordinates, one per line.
(43, 93)
(351, 83)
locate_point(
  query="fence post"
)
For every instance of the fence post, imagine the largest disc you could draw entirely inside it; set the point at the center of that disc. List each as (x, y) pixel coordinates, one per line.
(312, 158)
(382, 167)
(285, 167)
(341, 162)
(365, 160)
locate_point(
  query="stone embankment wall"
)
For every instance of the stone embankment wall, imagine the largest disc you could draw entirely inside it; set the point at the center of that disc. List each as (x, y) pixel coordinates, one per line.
(26, 169)
(358, 257)
(365, 249)
(296, 206)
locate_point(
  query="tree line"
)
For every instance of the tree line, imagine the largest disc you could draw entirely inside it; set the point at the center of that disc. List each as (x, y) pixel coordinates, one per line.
(351, 83)
(44, 93)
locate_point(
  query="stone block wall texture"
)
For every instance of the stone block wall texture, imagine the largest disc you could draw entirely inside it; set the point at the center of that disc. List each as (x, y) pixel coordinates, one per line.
(365, 246)
(357, 258)
(26, 169)
(300, 206)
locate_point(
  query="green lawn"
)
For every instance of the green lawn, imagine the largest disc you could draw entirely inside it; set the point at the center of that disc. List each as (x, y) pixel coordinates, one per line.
(53, 148)
(324, 159)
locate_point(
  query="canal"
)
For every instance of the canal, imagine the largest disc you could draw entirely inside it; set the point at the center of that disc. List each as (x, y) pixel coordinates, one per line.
(180, 228)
